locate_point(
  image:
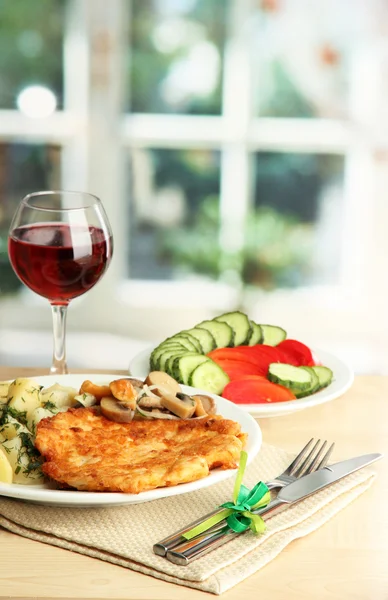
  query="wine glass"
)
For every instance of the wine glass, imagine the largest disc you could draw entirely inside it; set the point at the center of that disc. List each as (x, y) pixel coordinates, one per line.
(60, 244)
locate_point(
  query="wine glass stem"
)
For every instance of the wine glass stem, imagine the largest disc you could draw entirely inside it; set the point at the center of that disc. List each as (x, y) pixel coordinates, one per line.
(59, 313)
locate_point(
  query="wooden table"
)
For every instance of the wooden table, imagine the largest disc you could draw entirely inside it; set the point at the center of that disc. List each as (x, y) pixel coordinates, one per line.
(347, 558)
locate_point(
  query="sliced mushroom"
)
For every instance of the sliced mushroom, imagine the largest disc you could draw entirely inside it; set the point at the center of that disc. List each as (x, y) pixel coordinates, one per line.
(142, 413)
(84, 400)
(180, 404)
(205, 405)
(138, 384)
(150, 402)
(123, 390)
(115, 410)
(164, 383)
(98, 391)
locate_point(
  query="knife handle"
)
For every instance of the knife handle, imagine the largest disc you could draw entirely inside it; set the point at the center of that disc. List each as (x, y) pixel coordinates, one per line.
(169, 543)
(210, 540)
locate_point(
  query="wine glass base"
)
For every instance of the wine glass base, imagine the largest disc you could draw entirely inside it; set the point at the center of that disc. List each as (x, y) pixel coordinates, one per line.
(59, 370)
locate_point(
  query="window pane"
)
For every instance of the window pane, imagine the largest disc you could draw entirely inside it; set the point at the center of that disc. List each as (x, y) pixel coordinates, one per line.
(23, 169)
(31, 40)
(294, 231)
(174, 213)
(307, 53)
(176, 56)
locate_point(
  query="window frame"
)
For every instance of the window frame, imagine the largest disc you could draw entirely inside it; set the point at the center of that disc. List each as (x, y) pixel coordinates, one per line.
(94, 41)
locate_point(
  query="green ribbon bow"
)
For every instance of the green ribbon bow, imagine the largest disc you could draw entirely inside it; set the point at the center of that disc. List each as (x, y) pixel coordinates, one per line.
(238, 514)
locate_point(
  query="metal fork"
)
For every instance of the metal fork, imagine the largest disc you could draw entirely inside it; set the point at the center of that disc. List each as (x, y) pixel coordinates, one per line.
(302, 464)
(187, 551)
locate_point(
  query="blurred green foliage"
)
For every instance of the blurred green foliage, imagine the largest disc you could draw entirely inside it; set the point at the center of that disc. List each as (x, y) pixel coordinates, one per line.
(31, 47)
(277, 247)
(149, 67)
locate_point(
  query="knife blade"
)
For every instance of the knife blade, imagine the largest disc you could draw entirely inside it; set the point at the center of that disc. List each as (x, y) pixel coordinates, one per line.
(290, 494)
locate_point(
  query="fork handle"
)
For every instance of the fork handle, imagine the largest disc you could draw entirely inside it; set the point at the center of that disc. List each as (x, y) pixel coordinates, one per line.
(161, 548)
(210, 540)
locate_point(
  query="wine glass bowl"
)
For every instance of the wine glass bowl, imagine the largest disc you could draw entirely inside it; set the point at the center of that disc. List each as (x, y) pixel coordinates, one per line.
(60, 244)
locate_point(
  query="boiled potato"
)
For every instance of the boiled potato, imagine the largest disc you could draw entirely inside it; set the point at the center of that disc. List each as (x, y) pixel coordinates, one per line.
(6, 472)
(23, 396)
(9, 426)
(58, 395)
(4, 386)
(24, 460)
(41, 413)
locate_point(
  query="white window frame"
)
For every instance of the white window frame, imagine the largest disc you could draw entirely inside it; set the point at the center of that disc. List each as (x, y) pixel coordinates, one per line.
(95, 136)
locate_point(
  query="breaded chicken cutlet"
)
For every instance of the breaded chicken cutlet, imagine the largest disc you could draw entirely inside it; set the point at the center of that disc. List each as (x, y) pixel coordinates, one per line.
(86, 451)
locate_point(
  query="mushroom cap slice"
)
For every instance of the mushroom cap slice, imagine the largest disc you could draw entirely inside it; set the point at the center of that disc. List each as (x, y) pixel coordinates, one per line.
(164, 383)
(150, 402)
(115, 410)
(181, 405)
(205, 405)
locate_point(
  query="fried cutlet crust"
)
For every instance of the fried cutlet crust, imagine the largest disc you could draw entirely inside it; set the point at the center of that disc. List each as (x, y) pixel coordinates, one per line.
(86, 451)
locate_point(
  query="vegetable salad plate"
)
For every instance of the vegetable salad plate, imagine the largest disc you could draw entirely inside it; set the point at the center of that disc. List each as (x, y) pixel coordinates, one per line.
(342, 380)
(47, 494)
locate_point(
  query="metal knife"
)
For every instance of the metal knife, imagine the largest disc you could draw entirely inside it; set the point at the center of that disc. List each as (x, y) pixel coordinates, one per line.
(290, 494)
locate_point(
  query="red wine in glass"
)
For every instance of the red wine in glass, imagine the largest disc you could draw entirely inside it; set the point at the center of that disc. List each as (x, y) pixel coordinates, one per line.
(60, 244)
(56, 264)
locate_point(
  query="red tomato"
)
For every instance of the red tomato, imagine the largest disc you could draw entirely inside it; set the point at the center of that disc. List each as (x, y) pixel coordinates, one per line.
(255, 390)
(261, 356)
(237, 368)
(298, 351)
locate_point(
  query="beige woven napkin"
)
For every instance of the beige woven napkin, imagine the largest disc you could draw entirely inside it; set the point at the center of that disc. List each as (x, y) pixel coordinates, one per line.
(125, 535)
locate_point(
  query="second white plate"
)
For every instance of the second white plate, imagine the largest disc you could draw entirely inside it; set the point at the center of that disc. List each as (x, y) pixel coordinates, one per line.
(343, 379)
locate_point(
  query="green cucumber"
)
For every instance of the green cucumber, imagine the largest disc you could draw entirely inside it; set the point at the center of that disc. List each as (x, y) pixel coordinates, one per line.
(295, 378)
(192, 339)
(166, 355)
(324, 374)
(169, 364)
(221, 332)
(184, 365)
(154, 358)
(314, 386)
(204, 337)
(210, 377)
(240, 325)
(256, 336)
(181, 339)
(273, 335)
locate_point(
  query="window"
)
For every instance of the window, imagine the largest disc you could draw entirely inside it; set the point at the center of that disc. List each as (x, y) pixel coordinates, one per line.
(239, 149)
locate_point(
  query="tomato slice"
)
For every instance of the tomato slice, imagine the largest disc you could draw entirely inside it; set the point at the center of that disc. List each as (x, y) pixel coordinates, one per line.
(232, 354)
(298, 351)
(255, 390)
(261, 356)
(238, 368)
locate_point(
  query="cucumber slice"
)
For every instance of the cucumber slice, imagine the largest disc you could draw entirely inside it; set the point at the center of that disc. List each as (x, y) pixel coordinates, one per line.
(324, 374)
(296, 378)
(184, 341)
(221, 332)
(204, 337)
(168, 353)
(256, 336)
(191, 339)
(273, 335)
(210, 377)
(183, 366)
(240, 325)
(154, 358)
(169, 364)
(313, 387)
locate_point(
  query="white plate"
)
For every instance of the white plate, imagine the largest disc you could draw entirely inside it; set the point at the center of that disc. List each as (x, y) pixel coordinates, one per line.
(45, 494)
(343, 379)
